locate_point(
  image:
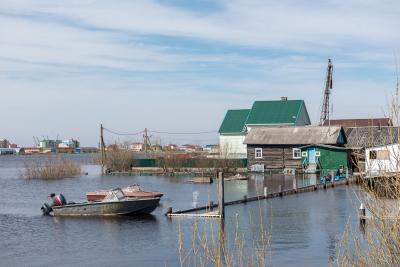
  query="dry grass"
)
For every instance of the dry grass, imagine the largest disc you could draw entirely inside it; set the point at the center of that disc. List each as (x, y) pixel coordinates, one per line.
(119, 160)
(377, 243)
(53, 168)
(209, 245)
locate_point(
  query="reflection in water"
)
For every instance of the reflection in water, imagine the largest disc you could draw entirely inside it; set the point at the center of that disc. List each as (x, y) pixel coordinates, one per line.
(195, 197)
(300, 225)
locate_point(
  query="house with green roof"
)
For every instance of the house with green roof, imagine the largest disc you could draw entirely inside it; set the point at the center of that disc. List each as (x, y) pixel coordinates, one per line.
(238, 122)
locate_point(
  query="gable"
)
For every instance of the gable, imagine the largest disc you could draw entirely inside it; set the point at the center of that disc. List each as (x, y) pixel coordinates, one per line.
(234, 121)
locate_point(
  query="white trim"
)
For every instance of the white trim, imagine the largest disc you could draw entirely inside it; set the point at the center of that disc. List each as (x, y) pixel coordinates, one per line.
(294, 150)
(318, 153)
(304, 154)
(260, 151)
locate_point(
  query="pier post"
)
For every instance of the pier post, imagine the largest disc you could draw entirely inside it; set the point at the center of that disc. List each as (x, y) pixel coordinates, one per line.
(244, 198)
(221, 201)
(280, 190)
(362, 214)
(265, 191)
(211, 205)
(169, 211)
(295, 184)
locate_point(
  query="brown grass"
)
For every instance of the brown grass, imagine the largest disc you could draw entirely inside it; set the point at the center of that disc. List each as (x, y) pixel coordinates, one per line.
(210, 246)
(53, 168)
(119, 160)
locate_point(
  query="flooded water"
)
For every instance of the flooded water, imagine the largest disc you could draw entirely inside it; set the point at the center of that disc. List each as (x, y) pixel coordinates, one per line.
(305, 228)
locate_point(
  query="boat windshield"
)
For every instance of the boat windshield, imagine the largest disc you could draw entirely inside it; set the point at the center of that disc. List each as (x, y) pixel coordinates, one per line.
(114, 195)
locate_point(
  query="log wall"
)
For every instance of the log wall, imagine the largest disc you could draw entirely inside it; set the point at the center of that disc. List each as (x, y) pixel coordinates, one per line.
(273, 157)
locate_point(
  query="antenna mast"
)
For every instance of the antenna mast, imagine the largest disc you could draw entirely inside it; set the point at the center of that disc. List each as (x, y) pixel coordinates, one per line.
(328, 87)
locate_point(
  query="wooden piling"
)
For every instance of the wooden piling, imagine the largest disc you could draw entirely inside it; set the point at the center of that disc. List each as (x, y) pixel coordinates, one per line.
(280, 190)
(362, 214)
(265, 192)
(221, 200)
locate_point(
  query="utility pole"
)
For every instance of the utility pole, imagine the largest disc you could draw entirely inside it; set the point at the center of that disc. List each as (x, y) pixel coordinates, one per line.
(328, 87)
(103, 155)
(146, 140)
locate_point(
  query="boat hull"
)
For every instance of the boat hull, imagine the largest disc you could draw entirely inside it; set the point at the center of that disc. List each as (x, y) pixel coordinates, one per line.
(108, 208)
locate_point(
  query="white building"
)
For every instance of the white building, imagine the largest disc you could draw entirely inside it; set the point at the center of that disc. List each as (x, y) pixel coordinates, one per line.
(382, 159)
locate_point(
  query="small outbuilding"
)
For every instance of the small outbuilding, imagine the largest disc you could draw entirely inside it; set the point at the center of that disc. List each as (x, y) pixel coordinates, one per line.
(325, 159)
(382, 160)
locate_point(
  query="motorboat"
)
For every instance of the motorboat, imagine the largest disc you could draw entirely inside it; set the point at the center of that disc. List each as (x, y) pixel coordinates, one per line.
(115, 203)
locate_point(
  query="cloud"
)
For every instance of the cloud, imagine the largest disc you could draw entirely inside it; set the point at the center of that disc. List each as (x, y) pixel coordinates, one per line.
(171, 66)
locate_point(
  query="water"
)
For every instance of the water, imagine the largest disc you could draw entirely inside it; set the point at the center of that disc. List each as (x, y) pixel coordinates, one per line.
(305, 227)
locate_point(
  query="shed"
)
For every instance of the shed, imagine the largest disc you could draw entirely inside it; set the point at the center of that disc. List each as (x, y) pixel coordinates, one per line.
(324, 158)
(280, 147)
(360, 138)
(381, 160)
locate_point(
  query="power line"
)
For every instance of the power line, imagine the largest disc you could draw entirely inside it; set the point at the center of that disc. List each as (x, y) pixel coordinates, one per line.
(120, 133)
(158, 132)
(184, 133)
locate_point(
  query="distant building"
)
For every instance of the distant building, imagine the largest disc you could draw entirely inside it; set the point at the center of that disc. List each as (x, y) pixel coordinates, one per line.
(212, 149)
(137, 147)
(359, 122)
(171, 147)
(4, 143)
(237, 123)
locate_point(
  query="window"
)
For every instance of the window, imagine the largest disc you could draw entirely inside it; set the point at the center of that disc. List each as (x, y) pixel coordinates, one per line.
(258, 153)
(296, 153)
(318, 153)
(372, 154)
(304, 154)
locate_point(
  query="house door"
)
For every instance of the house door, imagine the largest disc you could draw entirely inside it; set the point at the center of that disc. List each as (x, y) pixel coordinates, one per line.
(311, 155)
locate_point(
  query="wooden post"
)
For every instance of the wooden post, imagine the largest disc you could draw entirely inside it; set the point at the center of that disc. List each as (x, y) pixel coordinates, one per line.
(245, 199)
(169, 211)
(362, 214)
(294, 184)
(265, 192)
(221, 201)
(280, 190)
(102, 148)
(211, 205)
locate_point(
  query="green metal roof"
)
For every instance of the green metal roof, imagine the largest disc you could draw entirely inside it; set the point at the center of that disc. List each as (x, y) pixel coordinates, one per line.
(275, 112)
(234, 121)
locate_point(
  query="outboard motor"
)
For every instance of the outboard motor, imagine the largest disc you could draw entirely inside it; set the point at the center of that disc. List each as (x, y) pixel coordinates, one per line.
(46, 209)
(56, 200)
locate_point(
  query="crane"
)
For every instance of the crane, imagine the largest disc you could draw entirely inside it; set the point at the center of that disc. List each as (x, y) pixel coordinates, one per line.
(328, 87)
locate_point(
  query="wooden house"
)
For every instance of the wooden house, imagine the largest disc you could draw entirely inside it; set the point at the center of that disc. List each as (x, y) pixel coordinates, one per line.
(237, 123)
(280, 147)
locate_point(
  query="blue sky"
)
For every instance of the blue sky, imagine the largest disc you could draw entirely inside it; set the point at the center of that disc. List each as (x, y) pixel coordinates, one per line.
(67, 66)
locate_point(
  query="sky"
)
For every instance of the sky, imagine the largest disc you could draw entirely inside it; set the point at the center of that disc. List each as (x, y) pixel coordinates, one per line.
(66, 66)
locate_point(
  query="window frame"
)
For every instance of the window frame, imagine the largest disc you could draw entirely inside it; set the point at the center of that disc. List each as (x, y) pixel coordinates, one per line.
(298, 150)
(317, 153)
(260, 151)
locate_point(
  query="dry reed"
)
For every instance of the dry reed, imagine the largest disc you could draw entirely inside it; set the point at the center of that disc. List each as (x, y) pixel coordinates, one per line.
(53, 168)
